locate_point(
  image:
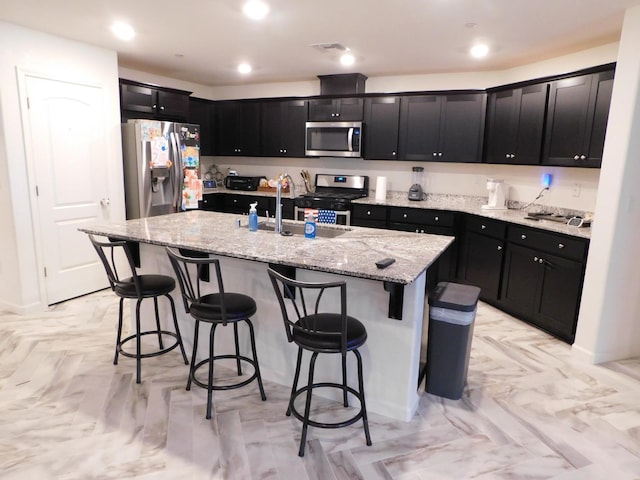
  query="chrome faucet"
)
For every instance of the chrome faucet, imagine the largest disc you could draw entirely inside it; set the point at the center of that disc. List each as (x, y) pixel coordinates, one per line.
(292, 189)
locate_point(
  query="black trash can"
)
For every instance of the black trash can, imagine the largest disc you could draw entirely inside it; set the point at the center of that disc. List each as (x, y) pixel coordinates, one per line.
(452, 312)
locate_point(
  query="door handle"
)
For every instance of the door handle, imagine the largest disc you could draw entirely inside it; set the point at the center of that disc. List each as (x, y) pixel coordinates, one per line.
(105, 202)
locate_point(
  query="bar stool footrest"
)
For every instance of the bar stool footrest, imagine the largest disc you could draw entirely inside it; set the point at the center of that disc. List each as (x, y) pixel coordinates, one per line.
(155, 353)
(224, 387)
(314, 423)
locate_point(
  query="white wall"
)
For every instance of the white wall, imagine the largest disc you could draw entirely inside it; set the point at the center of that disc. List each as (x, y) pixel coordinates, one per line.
(54, 57)
(463, 179)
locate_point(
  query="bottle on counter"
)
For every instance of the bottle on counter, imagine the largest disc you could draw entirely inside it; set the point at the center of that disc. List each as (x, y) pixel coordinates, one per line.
(253, 217)
(310, 226)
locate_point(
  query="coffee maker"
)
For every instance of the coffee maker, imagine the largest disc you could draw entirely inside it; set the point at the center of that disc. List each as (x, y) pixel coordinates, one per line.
(415, 191)
(497, 199)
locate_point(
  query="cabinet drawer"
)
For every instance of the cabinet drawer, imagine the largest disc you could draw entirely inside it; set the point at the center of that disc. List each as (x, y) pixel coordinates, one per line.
(422, 217)
(549, 242)
(369, 212)
(485, 226)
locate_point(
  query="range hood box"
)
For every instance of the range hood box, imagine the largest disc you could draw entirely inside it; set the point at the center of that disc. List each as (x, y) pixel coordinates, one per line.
(342, 84)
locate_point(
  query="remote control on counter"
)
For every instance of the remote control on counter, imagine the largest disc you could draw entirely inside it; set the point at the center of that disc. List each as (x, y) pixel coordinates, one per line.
(385, 262)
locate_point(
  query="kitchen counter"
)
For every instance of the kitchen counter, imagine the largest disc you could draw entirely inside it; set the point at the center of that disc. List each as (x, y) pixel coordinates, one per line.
(457, 203)
(353, 253)
(390, 302)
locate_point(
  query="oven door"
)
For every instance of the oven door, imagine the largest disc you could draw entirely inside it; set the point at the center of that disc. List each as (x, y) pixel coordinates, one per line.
(333, 139)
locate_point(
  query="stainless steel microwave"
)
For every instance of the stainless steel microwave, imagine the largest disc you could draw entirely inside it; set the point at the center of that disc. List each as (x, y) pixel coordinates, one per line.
(334, 139)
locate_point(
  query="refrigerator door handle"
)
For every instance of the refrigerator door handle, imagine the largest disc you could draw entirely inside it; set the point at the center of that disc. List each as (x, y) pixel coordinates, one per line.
(177, 172)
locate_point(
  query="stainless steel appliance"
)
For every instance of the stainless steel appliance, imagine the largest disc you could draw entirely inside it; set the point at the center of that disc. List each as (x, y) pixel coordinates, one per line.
(333, 139)
(156, 157)
(333, 193)
(237, 182)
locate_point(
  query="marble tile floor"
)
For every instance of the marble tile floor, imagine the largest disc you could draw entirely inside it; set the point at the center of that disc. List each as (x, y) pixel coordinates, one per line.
(529, 412)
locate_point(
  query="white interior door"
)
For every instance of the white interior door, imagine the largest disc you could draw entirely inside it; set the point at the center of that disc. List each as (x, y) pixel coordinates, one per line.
(67, 139)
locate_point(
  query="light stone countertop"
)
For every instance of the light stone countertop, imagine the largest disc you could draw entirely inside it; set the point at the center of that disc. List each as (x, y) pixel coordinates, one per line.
(460, 203)
(353, 254)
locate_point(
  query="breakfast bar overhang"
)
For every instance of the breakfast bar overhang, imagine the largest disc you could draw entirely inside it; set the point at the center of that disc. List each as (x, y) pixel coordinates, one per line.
(390, 302)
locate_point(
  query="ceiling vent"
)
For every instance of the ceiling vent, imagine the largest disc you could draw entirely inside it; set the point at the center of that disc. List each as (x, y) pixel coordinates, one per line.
(328, 47)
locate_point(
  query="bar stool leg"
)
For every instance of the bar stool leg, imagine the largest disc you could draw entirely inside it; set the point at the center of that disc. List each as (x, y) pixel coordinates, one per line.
(210, 384)
(155, 306)
(193, 354)
(294, 387)
(119, 336)
(235, 339)
(138, 345)
(255, 359)
(363, 406)
(175, 325)
(307, 406)
(344, 379)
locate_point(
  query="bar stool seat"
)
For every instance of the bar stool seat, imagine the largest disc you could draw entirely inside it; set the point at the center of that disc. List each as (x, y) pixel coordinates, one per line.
(221, 308)
(319, 332)
(138, 287)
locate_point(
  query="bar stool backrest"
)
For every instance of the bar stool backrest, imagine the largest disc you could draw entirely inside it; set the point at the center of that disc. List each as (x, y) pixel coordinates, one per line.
(107, 252)
(191, 273)
(303, 296)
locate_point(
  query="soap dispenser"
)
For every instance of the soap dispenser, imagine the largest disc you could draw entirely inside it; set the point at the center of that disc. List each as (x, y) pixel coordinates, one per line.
(253, 218)
(310, 226)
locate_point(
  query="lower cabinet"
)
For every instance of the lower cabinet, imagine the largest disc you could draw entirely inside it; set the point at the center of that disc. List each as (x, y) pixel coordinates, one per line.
(542, 280)
(482, 256)
(372, 216)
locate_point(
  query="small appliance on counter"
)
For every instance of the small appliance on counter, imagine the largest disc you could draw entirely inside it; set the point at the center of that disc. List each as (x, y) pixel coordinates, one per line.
(238, 182)
(497, 198)
(415, 191)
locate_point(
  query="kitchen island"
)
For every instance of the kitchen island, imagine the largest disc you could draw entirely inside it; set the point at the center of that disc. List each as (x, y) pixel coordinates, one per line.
(390, 302)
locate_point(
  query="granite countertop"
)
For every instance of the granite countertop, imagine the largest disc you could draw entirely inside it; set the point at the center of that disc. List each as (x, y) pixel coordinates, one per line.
(353, 253)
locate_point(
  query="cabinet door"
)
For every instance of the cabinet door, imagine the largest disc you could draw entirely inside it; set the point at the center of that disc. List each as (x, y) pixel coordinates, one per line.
(200, 113)
(520, 280)
(238, 128)
(282, 129)
(382, 118)
(577, 120)
(136, 98)
(557, 307)
(419, 127)
(336, 110)
(350, 109)
(483, 257)
(173, 105)
(271, 129)
(515, 120)
(462, 128)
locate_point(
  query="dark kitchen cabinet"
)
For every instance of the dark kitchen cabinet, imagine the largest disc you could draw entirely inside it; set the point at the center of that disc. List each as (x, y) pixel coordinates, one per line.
(542, 279)
(138, 100)
(577, 120)
(515, 124)
(201, 113)
(482, 255)
(238, 128)
(349, 109)
(373, 216)
(239, 204)
(282, 131)
(442, 128)
(381, 123)
(212, 202)
(437, 222)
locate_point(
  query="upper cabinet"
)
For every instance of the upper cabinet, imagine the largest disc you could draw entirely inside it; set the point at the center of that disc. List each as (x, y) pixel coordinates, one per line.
(138, 100)
(442, 128)
(336, 109)
(577, 120)
(238, 128)
(381, 121)
(201, 113)
(282, 129)
(515, 124)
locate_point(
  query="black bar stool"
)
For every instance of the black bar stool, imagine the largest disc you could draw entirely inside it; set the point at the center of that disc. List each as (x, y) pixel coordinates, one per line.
(320, 333)
(216, 309)
(138, 287)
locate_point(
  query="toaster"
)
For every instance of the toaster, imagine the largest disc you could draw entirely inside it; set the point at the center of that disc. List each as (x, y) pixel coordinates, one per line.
(237, 182)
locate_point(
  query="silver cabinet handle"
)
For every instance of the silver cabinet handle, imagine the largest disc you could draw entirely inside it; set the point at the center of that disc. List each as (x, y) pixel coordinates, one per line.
(561, 245)
(535, 259)
(541, 260)
(437, 219)
(576, 157)
(583, 157)
(483, 227)
(404, 215)
(162, 107)
(435, 154)
(499, 247)
(523, 236)
(439, 154)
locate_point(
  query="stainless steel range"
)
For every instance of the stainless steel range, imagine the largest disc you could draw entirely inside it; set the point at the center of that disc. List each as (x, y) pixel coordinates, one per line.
(333, 193)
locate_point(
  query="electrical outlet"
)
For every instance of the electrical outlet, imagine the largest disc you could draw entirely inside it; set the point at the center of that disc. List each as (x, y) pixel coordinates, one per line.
(576, 189)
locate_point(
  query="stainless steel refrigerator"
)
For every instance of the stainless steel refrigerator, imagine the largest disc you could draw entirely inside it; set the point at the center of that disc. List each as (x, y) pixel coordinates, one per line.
(157, 156)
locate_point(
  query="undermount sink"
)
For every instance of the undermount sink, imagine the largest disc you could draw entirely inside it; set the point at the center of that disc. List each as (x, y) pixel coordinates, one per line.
(298, 229)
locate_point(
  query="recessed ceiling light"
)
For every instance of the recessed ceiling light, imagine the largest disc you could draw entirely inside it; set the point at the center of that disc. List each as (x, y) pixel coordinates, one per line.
(347, 59)
(123, 31)
(255, 9)
(479, 50)
(244, 68)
